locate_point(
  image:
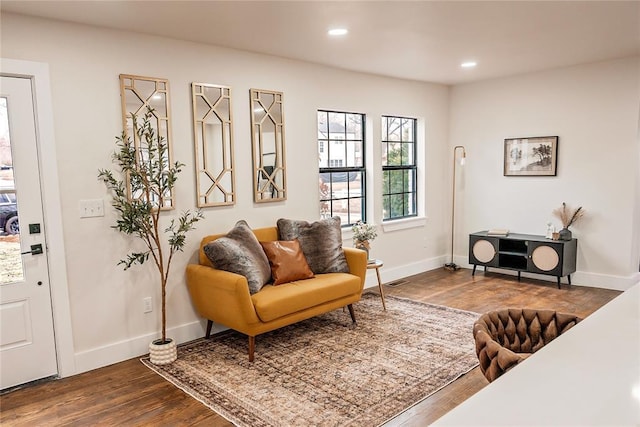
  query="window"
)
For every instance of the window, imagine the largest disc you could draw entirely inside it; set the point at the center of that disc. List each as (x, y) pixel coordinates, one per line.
(341, 166)
(399, 170)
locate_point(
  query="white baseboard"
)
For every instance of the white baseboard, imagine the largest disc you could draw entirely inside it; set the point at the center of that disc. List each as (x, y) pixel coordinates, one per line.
(138, 346)
(135, 347)
(389, 274)
(606, 281)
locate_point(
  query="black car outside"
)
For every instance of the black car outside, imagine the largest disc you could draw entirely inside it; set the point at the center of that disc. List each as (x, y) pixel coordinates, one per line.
(9, 213)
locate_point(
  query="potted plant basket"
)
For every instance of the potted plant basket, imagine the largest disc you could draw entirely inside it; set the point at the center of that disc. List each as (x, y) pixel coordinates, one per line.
(146, 180)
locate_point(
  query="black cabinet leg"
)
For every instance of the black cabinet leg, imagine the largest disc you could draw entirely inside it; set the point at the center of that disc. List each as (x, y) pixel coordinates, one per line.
(519, 276)
(473, 273)
(569, 279)
(558, 282)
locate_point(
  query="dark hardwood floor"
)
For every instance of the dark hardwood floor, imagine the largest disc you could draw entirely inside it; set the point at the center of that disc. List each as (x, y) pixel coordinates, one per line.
(128, 393)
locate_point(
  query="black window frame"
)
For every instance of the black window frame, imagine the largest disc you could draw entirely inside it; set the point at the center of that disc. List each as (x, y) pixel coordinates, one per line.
(387, 169)
(344, 173)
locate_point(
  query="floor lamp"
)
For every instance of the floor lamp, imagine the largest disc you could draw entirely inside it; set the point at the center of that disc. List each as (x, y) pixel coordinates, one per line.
(452, 266)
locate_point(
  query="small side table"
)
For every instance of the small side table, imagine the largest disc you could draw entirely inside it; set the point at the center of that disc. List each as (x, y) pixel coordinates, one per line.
(377, 264)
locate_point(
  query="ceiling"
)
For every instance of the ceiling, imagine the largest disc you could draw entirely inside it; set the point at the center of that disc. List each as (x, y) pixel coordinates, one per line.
(417, 40)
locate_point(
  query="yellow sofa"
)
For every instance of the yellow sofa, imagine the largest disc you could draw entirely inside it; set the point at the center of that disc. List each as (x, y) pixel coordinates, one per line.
(223, 297)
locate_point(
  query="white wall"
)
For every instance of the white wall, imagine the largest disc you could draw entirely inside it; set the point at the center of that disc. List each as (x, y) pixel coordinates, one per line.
(106, 303)
(594, 110)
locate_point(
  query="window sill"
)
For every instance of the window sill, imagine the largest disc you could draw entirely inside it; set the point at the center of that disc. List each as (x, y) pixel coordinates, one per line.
(403, 224)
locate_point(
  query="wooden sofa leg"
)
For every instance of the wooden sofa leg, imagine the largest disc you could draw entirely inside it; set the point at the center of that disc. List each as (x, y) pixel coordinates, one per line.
(252, 347)
(209, 326)
(352, 313)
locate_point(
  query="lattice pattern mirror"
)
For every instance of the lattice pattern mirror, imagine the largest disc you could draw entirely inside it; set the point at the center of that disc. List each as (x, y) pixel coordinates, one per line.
(140, 95)
(267, 137)
(213, 139)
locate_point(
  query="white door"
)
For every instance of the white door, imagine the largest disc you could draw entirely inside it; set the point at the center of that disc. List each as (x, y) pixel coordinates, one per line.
(27, 346)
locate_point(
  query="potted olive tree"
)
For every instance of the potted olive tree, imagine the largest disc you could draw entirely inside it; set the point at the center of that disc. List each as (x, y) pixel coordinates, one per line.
(146, 181)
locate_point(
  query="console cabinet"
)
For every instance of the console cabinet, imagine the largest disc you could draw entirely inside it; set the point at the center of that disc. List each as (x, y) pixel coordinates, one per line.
(523, 252)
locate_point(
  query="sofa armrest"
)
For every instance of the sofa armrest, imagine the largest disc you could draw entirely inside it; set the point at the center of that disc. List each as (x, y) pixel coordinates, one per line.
(357, 260)
(221, 296)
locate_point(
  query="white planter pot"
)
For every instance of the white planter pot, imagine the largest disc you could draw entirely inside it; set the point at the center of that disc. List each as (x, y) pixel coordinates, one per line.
(163, 354)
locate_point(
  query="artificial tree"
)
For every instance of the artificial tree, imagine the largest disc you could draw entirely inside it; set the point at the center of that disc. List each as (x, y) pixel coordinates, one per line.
(138, 196)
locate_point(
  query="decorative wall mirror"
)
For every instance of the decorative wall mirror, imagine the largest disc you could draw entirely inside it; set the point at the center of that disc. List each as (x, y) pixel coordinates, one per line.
(140, 95)
(213, 139)
(267, 137)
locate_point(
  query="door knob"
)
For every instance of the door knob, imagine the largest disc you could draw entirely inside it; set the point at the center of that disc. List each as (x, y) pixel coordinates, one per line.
(35, 250)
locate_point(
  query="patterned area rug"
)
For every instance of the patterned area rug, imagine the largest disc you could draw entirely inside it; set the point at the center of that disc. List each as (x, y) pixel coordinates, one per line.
(327, 372)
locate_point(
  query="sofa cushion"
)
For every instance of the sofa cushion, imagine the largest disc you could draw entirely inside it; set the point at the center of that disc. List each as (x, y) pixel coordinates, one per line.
(287, 261)
(240, 252)
(321, 242)
(273, 302)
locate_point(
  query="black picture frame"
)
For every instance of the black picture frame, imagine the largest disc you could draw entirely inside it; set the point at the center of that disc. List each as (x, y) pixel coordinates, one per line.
(531, 156)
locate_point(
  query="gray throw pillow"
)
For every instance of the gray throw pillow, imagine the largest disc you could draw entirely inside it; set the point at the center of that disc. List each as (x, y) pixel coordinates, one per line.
(240, 252)
(321, 243)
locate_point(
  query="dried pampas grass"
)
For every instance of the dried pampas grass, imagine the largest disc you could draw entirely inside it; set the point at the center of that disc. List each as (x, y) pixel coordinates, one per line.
(567, 215)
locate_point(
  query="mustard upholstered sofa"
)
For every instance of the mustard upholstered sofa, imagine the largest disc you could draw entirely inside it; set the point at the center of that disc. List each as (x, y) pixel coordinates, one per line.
(224, 297)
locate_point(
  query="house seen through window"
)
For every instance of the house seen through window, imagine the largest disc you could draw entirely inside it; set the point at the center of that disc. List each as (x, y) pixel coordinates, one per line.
(342, 165)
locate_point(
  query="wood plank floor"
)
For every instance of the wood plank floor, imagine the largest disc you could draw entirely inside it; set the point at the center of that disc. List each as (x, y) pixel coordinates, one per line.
(130, 394)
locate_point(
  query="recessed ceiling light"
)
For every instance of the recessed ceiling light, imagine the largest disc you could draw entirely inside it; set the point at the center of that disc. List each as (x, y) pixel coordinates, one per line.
(469, 64)
(337, 31)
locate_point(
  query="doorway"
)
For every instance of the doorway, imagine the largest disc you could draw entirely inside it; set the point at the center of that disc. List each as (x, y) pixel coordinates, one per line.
(27, 344)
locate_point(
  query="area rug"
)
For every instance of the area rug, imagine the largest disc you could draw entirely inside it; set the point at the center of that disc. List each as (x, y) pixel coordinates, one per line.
(325, 371)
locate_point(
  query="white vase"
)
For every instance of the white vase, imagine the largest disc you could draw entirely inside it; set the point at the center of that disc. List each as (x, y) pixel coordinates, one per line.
(163, 353)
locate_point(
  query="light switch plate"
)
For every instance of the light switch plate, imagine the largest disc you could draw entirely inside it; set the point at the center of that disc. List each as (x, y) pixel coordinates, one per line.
(91, 208)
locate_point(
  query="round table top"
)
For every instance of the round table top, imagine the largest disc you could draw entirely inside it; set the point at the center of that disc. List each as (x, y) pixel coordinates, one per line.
(374, 263)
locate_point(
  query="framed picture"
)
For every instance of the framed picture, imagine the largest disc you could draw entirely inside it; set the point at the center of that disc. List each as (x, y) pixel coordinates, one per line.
(535, 156)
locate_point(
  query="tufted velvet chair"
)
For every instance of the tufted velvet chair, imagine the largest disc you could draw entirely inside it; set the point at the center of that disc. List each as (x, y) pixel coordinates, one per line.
(506, 337)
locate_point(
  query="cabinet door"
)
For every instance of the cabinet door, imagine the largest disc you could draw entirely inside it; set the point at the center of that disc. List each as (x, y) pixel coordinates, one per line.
(483, 251)
(545, 258)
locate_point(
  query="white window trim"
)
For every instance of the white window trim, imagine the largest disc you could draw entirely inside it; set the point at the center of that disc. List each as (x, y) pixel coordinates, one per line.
(421, 218)
(404, 223)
